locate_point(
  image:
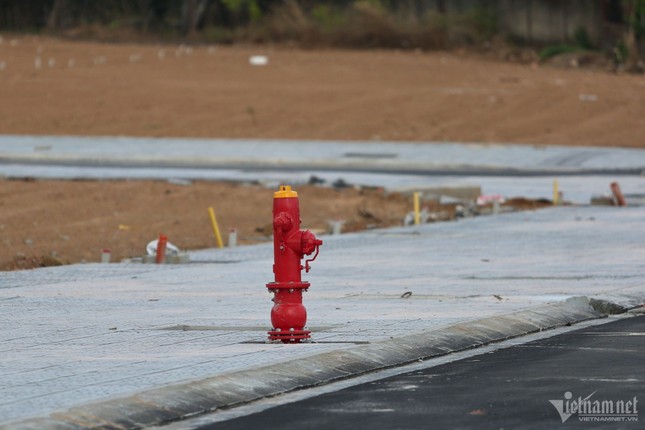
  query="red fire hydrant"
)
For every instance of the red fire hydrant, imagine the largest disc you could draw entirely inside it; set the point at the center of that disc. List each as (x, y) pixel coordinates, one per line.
(290, 245)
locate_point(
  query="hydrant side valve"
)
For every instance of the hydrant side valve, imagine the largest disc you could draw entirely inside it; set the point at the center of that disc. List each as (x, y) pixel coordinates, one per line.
(290, 245)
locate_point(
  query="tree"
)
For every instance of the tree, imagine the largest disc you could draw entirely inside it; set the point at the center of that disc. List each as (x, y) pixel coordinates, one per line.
(634, 15)
(59, 15)
(192, 13)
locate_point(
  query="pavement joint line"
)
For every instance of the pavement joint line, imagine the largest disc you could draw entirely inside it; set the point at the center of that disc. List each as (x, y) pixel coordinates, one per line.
(173, 403)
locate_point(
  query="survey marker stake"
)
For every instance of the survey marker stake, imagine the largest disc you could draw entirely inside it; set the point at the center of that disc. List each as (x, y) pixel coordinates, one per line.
(218, 236)
(161, 249)
(417, 213)
(618, 194)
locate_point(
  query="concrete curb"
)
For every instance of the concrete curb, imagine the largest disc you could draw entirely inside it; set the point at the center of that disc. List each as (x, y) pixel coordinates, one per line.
(323, 165)
(177, 402)
(616, 303)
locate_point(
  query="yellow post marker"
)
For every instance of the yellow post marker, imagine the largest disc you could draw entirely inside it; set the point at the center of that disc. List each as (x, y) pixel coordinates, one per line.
(556, 193)
(218, 237)
(417, 213)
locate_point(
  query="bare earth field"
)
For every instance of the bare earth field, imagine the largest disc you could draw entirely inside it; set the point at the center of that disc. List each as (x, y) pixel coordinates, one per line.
(55, 87)
(57, 222)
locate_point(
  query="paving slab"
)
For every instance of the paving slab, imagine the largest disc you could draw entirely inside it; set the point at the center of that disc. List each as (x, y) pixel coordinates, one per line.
(136, 345)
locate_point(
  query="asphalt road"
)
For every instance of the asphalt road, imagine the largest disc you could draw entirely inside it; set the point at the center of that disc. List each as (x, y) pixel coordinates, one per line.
(536, 385)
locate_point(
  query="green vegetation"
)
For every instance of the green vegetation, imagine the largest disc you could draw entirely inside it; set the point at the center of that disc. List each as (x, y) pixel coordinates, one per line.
(552, 51)
(350, 23)
(582, 39)
(396, 24)
(582, 42)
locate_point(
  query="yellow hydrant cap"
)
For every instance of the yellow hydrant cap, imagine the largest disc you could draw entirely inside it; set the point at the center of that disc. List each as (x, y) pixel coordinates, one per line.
(285, 192)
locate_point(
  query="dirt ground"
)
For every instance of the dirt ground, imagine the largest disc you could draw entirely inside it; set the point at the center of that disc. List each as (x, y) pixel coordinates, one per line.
(371, 95)
(59, 222)
(55, 87)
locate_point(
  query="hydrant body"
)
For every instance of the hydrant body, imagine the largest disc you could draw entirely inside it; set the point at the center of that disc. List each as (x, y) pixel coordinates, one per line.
(290, 245)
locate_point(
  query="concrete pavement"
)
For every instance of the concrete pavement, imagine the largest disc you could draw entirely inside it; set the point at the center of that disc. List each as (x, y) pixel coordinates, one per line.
(132, 345)
(279, 155)
(137, 345)
(582, 172)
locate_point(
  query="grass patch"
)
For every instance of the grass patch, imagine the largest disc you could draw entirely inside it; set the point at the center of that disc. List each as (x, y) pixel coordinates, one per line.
(581, 42)
(552, 51)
